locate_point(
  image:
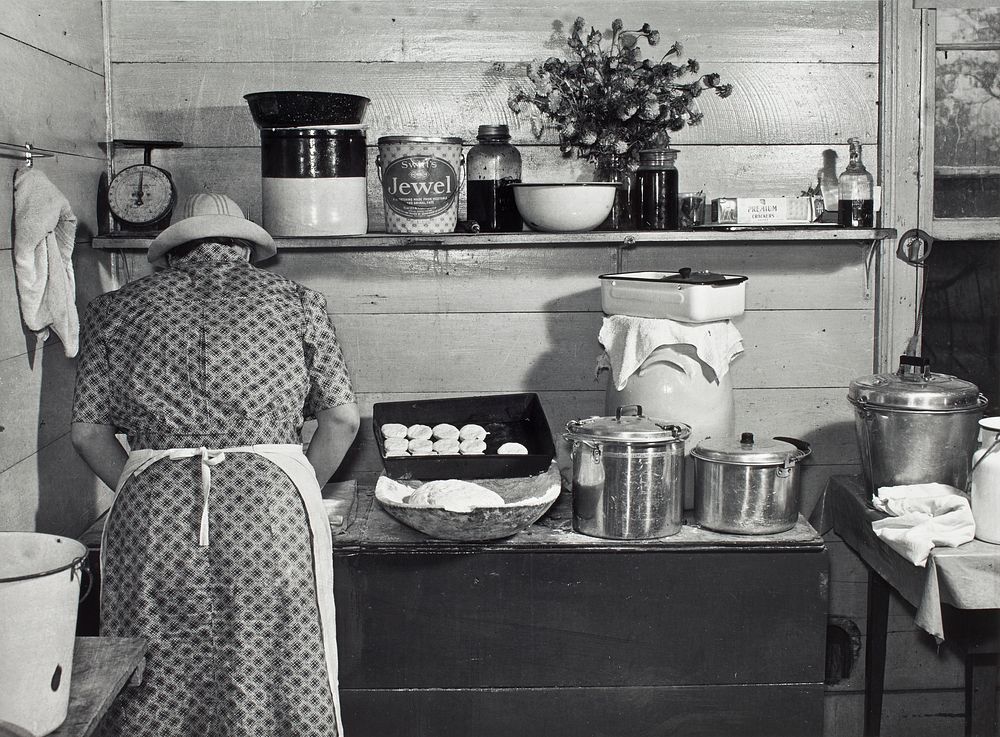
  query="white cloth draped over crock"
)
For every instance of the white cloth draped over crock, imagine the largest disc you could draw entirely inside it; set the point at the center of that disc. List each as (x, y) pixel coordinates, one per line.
(922, 516)
(44, 235)
(628, 341)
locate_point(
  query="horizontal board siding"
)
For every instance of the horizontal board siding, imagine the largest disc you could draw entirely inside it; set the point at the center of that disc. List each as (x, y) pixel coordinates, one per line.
(727, 171)
(70, 31)
(560, 279)
(409, 31)
(538, 351)
(203, 103)
(52, 491)
(39, 395)
(40, 112)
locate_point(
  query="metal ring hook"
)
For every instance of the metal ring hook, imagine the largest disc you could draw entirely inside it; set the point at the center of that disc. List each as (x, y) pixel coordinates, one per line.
(914, 247)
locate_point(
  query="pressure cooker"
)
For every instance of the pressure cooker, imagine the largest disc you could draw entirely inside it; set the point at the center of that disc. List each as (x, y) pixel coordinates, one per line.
(628, 474)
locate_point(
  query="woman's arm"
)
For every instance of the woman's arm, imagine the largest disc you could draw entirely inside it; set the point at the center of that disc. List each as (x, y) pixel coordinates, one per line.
(101, 450)
(334, 434)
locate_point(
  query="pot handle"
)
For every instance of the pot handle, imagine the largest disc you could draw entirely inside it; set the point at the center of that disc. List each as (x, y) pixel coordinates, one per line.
(804, 448)
(621, 410)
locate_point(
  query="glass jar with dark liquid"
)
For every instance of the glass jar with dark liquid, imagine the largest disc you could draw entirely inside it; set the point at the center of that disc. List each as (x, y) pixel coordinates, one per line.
(655, 199)
(491, 166)
(856, 190)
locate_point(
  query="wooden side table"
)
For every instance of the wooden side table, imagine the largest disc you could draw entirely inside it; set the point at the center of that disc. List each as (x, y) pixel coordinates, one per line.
(968, 620)
(102, 667)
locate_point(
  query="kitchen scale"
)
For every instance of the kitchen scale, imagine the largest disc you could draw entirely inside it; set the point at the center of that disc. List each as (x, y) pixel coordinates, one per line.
(140, 198)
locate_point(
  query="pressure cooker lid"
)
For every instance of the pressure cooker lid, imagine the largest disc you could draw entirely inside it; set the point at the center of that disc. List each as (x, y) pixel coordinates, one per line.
(915, 387)
(628, 428)
(749, 450)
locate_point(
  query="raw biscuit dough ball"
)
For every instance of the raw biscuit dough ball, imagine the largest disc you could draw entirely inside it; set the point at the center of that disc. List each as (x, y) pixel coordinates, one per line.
(472, 432)
(446, 446)
(395, 444)
(444, 431)
(392, 453)
(421, 447)
(393, 430)
(472, 447)
(418, 432)
(512, 449)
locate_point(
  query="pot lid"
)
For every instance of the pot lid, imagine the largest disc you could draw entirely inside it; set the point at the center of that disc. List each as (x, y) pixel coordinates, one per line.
(748, 450)
(915, 387)
(629, 428)
(688, 276)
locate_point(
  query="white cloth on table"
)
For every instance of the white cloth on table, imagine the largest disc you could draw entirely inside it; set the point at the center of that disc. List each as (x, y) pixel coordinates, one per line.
(44, 235)
(629, 341)
(922, 516)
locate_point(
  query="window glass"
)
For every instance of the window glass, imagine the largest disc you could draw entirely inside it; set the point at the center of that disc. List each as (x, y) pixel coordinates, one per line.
(967, 114)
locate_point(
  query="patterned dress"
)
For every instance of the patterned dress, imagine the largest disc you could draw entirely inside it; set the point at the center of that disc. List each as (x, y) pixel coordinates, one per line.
(213, 352)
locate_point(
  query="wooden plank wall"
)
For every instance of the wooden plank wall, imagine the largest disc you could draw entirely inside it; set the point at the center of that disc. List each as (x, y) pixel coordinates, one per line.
(444, 322)
(52, 57)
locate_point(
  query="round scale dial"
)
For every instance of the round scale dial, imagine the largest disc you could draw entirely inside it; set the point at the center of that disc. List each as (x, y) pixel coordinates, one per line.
(141, 195)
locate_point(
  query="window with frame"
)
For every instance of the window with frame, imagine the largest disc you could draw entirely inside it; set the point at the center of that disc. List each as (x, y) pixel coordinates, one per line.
(966, 122)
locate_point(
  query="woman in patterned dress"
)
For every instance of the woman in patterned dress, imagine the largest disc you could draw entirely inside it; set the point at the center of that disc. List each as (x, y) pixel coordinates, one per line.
(216, 548)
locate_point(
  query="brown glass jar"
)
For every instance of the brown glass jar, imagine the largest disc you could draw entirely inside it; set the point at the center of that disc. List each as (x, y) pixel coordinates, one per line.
(655, 198)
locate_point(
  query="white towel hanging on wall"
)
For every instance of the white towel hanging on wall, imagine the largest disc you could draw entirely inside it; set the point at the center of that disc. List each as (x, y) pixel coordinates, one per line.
(44, 235)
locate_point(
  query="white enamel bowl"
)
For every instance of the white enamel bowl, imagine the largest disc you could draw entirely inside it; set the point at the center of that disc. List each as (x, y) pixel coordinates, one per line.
(564, 207)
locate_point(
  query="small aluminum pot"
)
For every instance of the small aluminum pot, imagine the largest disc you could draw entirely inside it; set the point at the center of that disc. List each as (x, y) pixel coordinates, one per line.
(746, 486)
(628, 475)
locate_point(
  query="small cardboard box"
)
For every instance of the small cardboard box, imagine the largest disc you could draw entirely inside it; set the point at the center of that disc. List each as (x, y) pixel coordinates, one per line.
(763, 210)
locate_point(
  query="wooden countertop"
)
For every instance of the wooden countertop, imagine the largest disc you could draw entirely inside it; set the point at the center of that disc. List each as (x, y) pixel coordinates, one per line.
(360, 524)
(102, 666)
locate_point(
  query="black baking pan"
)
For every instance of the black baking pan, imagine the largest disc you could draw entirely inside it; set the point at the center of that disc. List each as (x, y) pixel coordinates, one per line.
(508, 418)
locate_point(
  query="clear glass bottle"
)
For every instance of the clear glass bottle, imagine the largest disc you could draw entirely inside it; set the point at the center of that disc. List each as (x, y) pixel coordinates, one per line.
(856, 189)
(655, 198)
(491, 166)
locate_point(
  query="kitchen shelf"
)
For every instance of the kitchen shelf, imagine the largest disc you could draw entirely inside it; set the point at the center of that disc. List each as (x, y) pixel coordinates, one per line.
(814, 234)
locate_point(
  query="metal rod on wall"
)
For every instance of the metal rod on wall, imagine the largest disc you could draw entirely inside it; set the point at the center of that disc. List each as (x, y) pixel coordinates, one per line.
(26, 152)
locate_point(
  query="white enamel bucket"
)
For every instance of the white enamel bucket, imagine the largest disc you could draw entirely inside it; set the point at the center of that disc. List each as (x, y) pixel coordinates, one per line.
(39, 596)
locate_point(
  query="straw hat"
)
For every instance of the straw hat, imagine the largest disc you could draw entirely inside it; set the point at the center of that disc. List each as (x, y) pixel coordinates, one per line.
(209, 215)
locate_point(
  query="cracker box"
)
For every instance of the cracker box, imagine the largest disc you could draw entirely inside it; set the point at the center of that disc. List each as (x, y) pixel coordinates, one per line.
(763, 210)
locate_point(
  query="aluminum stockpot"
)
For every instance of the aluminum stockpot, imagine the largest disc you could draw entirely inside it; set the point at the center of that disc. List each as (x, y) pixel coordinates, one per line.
(915, 426)
(747, 486)
(628, 475)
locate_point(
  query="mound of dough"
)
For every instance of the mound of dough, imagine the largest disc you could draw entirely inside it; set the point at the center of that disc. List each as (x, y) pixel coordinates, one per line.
(512, 449)
(392, 453)
(472, 447)
(393, 430)
(446, 446)
(444, 431)
(472, 432)
(454, 495)
(418, 432)
(395, 444)
(421, 447)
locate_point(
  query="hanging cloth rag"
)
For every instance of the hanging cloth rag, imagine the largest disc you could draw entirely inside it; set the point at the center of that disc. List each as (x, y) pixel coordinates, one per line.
(921, 517)
(44, 234)
(628, 342)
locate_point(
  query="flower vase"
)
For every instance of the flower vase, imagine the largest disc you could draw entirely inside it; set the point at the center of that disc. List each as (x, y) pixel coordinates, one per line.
(622, 215)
